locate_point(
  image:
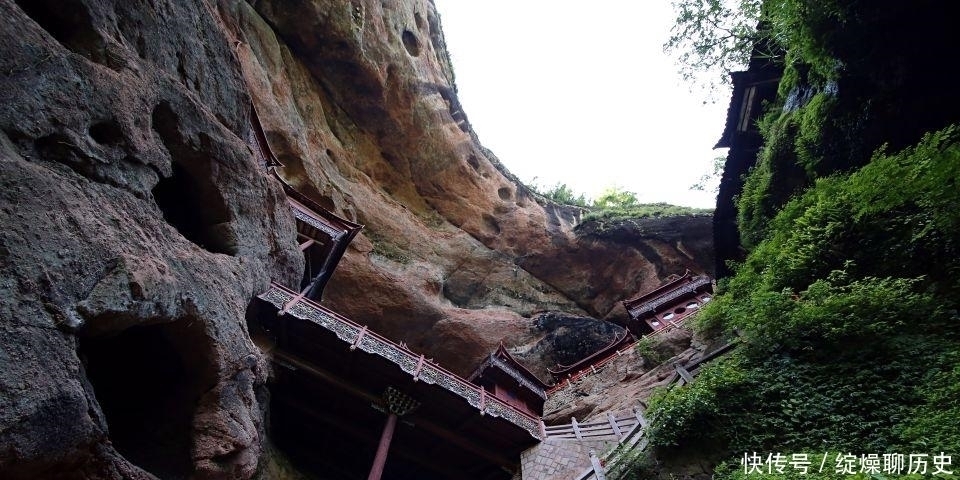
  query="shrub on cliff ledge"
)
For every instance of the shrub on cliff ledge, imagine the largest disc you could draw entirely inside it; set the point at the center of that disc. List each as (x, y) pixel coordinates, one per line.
(848, 311)
(643, 210)
(561, 194)
(615, 204)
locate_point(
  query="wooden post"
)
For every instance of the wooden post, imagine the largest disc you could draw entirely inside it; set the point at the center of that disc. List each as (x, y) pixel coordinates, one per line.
(597, 468)
(397, 404)
(356, 343)
(684, 373)
(614, 426)
(376, 471)
(483, 401)
(576, 428)
(287, 306)
(643, 421)
(416, 373)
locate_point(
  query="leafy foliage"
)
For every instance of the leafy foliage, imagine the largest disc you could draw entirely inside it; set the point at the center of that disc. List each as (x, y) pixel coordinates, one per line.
(712, 37)
(648, 351)
(847, 301)
(561, 193)
(643, 210)
(849, 343)
(695, 413)
(932, 424)
(711, 177)
(616, 198)
(802, 379)
(853, 72)
(614, 204)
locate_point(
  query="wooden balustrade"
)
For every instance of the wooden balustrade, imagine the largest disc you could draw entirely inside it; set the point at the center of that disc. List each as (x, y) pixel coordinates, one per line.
(613, 427)
(358, 336)
(595, 367)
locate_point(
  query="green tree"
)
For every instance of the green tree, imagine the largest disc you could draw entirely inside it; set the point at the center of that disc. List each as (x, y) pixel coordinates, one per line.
(560, 193)
(616, 197)
(718, 162)
(712, 37)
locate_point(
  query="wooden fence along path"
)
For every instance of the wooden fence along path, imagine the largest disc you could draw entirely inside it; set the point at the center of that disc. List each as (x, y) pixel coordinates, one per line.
(627, 428)
(614, 427)
(594, 368)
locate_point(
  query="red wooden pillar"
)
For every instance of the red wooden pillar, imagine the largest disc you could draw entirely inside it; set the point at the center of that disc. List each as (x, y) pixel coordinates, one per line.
(376, 471)
(396, 404)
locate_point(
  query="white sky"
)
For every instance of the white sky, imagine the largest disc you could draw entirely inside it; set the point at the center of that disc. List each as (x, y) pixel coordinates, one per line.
(582, 93)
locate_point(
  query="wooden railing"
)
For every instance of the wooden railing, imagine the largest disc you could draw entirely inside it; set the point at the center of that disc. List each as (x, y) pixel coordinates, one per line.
(652, 304)
(617, 343)
(636, 439)
(360, 337)
(615, 426)
(595, 367)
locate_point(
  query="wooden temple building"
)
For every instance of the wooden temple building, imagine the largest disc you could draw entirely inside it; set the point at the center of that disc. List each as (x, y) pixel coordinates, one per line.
(508, 380)
(752, 88)
(323, 236)
(323, 239)
(622, 340)
(348, 403)
(669, 303)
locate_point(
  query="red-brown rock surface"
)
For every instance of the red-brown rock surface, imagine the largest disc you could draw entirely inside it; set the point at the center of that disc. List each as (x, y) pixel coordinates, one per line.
(138, 225)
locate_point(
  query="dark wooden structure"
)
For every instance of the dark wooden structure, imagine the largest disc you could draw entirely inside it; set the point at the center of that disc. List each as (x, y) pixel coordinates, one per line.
(329, 401)
(323, 238)
(510, 381)
(257, 140)
(622, 340)
(751, 90)
(347, 403)
(669, 303)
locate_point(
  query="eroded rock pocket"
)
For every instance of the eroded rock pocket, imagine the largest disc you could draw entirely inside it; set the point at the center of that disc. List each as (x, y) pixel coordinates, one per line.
(189, 198)
(148, 381)
(70, 23)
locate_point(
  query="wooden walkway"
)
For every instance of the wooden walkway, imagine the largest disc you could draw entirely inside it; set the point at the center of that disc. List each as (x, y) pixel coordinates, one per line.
(628, 428)
(616, 426)
(595, 367)
(357, 336)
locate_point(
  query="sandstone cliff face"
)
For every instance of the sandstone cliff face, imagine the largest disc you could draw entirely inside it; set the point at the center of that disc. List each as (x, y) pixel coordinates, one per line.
(107, 277)
(138, 225)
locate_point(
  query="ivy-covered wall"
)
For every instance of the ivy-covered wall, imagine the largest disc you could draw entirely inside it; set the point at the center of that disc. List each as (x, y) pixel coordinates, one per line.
(847, 302)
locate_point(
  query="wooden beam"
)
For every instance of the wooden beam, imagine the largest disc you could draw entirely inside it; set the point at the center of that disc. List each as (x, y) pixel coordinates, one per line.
(504, 462)
(326, 377)
(341, 423)
(457, 440)
(431, 427)
(365, 437)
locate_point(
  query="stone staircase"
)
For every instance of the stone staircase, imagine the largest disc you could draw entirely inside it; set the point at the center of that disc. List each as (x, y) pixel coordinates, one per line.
(587, 451)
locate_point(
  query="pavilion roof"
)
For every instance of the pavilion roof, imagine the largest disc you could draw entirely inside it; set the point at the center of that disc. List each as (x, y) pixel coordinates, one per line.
(503, 361)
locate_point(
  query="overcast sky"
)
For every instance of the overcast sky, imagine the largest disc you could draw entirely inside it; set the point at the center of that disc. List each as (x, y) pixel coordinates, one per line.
(582, 93)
